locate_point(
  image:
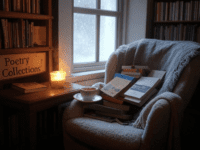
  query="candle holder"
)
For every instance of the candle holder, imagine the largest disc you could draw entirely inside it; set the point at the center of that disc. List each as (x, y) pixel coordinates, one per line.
(58, 78)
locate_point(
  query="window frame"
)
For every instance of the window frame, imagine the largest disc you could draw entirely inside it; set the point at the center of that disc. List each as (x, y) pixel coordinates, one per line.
(83, 67)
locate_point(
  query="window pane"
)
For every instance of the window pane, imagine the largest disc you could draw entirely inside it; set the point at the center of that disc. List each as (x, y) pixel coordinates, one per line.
(84, 38)
(107, 36)
(85, 3)
(109, 5)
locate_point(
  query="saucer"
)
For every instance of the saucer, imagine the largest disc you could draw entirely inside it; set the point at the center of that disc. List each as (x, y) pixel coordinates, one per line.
(79, 97)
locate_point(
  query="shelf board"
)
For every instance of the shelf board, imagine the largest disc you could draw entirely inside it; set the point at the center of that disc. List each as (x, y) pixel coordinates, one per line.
(23, 50)
(20, 15)
(198, 21)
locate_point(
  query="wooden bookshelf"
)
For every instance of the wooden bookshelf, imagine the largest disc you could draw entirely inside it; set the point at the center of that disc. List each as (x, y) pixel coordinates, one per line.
(16, 128)
(173, 20)
(23, 11)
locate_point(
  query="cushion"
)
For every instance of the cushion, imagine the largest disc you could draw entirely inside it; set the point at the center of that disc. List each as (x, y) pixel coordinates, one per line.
(104, 135)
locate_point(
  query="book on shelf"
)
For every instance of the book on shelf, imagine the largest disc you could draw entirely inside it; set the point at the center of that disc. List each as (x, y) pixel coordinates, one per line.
(39, 37)
(116, 85)
(115, 105)
(29, 87)
(139, 102)
(177, 10)
(17, 34)
(26, 6)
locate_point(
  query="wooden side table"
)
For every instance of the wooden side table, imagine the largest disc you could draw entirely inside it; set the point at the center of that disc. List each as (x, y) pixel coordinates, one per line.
(29, 104)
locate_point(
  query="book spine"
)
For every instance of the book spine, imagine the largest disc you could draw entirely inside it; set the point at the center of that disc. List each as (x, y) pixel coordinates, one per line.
(158, 11)
(167, 11)
(18, 35)
(27, 33)
(111, 99)
(33, 6)
(18, 5)
(117, 106)
(6, 5)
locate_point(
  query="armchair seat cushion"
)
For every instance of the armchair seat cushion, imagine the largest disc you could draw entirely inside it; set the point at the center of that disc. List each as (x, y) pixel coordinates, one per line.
(104, 135)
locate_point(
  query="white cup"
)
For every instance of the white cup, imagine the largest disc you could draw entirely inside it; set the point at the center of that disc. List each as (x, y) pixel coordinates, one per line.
(88, 93)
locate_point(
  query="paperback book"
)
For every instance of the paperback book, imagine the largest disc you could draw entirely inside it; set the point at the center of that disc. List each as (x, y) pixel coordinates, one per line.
(142, 87)
(29, 87)
(117, 106)
(139, 102)
(116, 85)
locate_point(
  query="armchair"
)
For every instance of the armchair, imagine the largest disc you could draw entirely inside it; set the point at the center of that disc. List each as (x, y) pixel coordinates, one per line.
(158, 123)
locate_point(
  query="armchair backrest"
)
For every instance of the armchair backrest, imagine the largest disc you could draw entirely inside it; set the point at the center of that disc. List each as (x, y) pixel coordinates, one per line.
(171, 56)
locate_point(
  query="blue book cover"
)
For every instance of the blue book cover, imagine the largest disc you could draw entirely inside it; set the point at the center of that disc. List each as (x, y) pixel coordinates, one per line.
(125, 77)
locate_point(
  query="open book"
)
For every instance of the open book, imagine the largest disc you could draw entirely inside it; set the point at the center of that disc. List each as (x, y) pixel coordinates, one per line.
(144, 88)
(116, 85)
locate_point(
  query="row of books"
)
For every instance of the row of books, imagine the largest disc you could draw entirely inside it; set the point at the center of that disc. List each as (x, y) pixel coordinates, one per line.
(20, 34)
(177, 10)
(177, 32)
(26, 6)
(125, 94)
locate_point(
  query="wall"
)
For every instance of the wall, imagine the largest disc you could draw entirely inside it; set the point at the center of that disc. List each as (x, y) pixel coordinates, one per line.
(136, 20)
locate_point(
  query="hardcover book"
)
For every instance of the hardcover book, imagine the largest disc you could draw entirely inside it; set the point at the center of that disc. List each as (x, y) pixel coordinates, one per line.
(117, 100)
(116, 85)
(29, 87)
(117, 106)
(142, 87)
(139, 102)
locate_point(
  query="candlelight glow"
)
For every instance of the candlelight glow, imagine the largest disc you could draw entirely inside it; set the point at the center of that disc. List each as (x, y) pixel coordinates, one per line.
(58, 75)
(58, 78)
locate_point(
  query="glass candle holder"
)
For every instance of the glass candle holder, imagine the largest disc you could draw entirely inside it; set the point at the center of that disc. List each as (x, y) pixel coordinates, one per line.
(58, 78)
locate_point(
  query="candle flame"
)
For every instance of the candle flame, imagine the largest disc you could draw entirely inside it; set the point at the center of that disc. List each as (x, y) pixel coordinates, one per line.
(58, 75)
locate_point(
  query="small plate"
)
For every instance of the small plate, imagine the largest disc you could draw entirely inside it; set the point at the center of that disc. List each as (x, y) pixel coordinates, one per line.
(79, 97)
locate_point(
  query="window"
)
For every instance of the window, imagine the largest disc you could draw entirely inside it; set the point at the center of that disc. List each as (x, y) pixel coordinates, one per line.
(95, 26)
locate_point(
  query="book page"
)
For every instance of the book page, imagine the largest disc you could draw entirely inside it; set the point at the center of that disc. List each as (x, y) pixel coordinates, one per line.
(141, 87)
(157, 73)
(115, 86)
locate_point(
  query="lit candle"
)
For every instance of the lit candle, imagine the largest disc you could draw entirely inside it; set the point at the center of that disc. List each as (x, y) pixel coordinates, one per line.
(58, 78)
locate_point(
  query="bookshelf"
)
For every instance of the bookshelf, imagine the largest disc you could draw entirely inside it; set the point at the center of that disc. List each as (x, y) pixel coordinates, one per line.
(18, 20)
(173, 20)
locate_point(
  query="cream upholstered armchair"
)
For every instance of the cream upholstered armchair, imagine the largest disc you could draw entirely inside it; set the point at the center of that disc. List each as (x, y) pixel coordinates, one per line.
(157, 125)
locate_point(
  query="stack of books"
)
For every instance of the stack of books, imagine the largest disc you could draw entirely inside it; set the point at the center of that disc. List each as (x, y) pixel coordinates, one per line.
(135, 70)
(123, 92)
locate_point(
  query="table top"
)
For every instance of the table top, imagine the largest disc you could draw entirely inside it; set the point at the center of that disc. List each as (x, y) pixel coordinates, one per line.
(31, 98)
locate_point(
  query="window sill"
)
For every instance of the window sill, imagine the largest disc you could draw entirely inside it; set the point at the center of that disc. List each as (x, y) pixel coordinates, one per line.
(85, 76)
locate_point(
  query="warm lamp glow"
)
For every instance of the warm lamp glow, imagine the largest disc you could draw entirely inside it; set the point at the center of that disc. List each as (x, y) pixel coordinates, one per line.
(58, 78)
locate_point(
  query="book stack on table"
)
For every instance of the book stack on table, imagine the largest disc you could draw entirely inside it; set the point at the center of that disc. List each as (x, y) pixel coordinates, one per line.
(124, 93)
